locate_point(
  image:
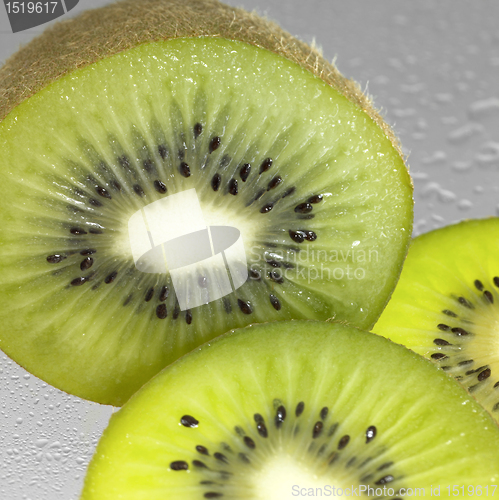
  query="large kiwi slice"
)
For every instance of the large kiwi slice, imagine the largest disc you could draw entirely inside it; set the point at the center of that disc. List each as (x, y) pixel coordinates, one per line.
(284, 159)
(445, 306)
(269, 410)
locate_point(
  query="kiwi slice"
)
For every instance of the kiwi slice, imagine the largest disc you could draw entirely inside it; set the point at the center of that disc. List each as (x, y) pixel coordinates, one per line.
(445, 306)
(195, 108)
(270, 408)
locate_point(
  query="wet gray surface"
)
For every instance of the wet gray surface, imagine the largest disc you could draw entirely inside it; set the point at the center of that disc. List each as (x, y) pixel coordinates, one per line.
(432, 67)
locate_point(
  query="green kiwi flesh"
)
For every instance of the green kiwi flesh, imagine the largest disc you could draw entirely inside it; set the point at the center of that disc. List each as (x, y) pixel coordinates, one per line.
(445, 306)
(268, 408)
(325, 210)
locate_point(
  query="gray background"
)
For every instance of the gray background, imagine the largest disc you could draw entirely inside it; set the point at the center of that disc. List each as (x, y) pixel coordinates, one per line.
(432, 67)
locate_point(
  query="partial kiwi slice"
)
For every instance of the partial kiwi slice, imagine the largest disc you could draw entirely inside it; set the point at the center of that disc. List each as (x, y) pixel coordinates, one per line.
(445, 306)
(271, 411)
(253, 152)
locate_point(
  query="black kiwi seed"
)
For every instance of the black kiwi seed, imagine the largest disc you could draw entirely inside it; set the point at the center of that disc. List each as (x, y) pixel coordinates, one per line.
(488, 296)
(244, 458)
(303, 208)
(288, 191)
(254, 275)
(443, 327)
(297, 236)
(465, 303)
(199, 464)
(103, 192)
(273, 263)
(324, 412)
(56, 258)
(244, 306)
(149, 294)
(267, 208)
(77, 231)
(160, 186)
(484, 375)
(274, 182)
(280, 416)
(202, 450)
(249, 442)
(384, 480)
(111, 277)
(163, 152)
(276, 277)
(370, 433)
(343, 442)
(188, 316)
(216, 181)
(128, 300)
(185, 170)
(315, 199)
(164, 294)
(79, 281)
(266, 164)
(441, 342)
(198, 128)
(213, 494)
(449, 313)
(115, 185)
(148, 166)
(496, 281)
(86, 263)
(179, 465)
(311, 236)
(215, 143)
(244, 172)
(260, 426)
(233, 190)
(189, 421)
(460, 331)
(479, 285)
(94, 202)
(161, 311)
(317, 431)
(275, 302)
(466, 362)
(299, 408)
(221, 457)
(138, 190)
(438, 356)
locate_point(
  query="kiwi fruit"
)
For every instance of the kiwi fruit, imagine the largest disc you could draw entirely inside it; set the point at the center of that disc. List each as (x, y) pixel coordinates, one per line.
(445, 306)
(272, 409)
(107, 115)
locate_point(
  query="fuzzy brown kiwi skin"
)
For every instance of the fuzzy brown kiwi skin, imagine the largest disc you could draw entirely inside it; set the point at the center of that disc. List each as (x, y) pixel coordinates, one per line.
(100, 33)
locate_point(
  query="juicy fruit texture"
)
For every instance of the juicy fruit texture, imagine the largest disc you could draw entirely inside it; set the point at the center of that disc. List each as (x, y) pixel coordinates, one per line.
(303, 403)
(446, 305)
(320, 196)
